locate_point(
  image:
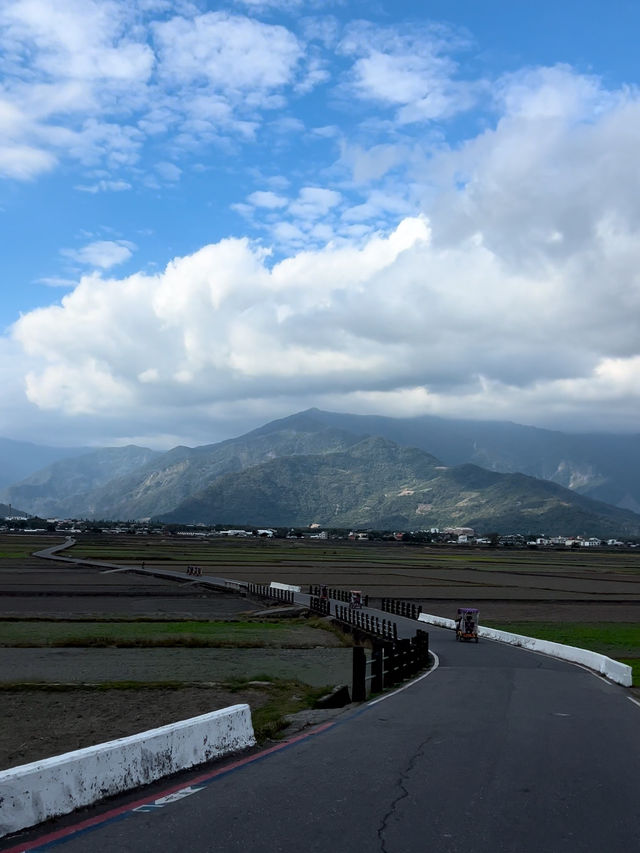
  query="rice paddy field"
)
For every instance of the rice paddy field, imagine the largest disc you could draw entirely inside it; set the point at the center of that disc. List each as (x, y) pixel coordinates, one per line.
(496, 579)
(92, 652)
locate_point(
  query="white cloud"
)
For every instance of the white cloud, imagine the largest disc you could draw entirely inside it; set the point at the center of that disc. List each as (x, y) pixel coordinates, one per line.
(261, 5)
(94, 80)
(101, 253)
(518, 294)
(67, 65)
(313, 202)
(104, 186)
(168, 171)
(268, 199)
(24, 162)
(226, 53)
(410, 71)
(58, 281)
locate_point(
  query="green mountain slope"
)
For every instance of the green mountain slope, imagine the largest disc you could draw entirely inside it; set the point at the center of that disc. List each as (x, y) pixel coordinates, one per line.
(605, 467)
(315, 467)
(170, 478)
(377, 483)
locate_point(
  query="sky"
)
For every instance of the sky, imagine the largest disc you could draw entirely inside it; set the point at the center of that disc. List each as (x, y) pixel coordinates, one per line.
(213, 215)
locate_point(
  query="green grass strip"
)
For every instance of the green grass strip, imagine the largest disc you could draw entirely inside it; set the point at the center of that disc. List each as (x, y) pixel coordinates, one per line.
(618, 640)
(97, 634)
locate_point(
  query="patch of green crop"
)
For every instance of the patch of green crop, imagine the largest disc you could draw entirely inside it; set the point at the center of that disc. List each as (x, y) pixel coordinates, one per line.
(15, 553)
(148, 634)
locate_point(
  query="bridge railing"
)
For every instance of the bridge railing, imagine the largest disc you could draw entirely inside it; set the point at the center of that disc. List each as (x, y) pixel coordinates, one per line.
(401, 608)
(320, 591)
(391, 662)
(384, 628)
(320, 605)
(266, 591)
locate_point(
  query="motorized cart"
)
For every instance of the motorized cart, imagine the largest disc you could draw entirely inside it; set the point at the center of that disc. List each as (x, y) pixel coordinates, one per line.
(467, 623)
(355, 599)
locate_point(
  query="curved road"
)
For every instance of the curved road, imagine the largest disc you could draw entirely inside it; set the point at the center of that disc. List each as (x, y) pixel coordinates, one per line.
(498, 749)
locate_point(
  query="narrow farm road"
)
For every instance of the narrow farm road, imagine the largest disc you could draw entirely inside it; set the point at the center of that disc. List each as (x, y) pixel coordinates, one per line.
(498, 750)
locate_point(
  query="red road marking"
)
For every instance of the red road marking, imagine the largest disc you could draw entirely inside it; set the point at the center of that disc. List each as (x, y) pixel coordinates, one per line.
(203, 777)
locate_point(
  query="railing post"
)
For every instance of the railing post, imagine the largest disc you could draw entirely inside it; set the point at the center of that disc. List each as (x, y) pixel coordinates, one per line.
(377, 667)
(422, 643)
(359, 684)
(390, 671)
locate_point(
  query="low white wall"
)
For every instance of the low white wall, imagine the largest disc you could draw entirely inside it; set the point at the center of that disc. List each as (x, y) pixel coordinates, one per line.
(286, 586)
(611, 669)
(35, 792)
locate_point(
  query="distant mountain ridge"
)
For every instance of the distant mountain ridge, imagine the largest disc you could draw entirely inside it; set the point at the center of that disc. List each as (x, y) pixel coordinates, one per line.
(602, 466)
(62, 488)
(375, 483)
(338, 470)
(20, 459)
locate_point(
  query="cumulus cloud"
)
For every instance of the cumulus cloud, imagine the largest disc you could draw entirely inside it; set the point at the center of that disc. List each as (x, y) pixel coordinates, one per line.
(437, 313)
(515, 291)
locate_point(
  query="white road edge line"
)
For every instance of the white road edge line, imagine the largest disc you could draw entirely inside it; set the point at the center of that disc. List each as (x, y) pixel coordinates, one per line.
(436, 664)
(595, 674)
(635, 701)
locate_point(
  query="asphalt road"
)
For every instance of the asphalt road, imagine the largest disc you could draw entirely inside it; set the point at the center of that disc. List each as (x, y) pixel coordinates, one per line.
(498, 749)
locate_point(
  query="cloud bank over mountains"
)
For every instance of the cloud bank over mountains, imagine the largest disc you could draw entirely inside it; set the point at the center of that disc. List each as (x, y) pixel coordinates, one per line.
(398, 267)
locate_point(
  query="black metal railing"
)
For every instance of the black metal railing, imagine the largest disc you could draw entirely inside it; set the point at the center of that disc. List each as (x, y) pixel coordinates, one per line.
(336, 594)
(384, 628)
(401, 608)
(391, 662)
(271, 592)
(320, 605)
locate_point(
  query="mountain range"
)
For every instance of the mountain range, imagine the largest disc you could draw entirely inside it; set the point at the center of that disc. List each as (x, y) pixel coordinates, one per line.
(345, 470)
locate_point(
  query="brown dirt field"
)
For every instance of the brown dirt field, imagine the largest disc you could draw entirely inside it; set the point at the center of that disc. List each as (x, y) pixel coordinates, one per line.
(38, 723)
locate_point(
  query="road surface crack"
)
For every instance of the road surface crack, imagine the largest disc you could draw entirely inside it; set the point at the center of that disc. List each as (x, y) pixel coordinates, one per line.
(403, 793)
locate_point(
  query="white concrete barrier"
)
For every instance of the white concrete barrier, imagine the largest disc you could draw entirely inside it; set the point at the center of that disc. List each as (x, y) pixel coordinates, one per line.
(288, 587)
(36, 792)
(611, 669)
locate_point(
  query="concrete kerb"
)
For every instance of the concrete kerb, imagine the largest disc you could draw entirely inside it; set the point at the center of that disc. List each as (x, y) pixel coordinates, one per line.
(615, 671)
(35, 792)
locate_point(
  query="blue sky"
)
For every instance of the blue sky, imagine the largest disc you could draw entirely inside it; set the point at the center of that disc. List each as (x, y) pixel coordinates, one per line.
(214, 214)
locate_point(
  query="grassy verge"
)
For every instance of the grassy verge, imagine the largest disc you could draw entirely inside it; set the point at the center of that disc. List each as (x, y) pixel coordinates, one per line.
(618, 640)
(283, 698)
(149, 634)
